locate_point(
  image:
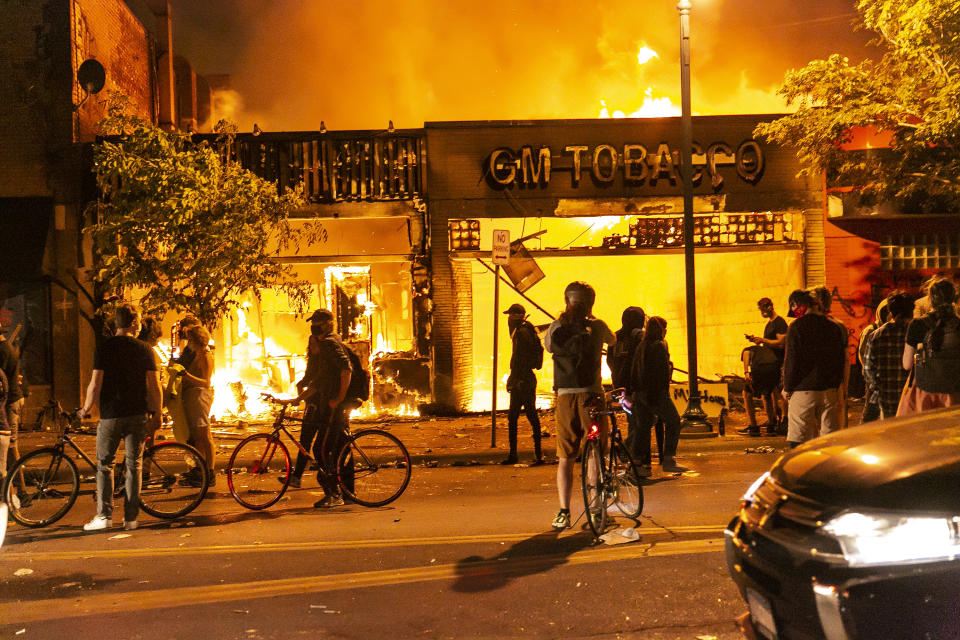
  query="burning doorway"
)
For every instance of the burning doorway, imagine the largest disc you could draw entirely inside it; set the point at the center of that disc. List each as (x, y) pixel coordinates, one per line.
(261, 345)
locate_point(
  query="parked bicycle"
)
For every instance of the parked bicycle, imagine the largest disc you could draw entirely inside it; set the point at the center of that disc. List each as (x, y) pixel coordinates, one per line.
(43, 485)
(611, 482)
(372, 468)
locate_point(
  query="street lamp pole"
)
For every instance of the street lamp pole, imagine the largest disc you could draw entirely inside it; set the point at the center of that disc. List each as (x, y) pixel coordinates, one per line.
(694, 419)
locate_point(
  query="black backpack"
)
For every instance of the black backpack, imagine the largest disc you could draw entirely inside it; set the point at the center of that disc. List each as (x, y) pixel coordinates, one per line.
(938, 371)
(359, 388)
(574, 356)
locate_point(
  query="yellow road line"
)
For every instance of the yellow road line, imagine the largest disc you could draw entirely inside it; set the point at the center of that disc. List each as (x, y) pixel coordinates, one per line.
(112, 603)
(311, 545)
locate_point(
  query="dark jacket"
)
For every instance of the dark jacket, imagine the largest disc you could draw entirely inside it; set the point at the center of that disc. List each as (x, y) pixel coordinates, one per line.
(651, 373)
(326, 358)
(620, 355)
(527, 351)
(814, 360)
(10, 364)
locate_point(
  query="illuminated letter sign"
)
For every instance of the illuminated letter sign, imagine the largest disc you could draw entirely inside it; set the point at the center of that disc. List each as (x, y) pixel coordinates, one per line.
(539, 173)
(502, 171)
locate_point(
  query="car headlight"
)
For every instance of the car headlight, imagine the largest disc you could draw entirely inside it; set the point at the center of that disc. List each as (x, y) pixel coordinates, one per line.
(748, 495)
(870, 538)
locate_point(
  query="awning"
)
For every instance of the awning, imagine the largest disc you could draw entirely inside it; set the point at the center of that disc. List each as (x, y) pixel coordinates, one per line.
(24, 226)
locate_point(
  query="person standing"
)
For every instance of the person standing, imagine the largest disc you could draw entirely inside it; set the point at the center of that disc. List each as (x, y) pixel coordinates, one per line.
(325, 418)
(527, 355)
(197, 397)
(824, 301)
(764, 373)
(652, 371)
(619, 360)
(813, 370)
(576, 341)
(126, 386)
(932, 351)
(10, 365)
(871, 402)
(883, 355)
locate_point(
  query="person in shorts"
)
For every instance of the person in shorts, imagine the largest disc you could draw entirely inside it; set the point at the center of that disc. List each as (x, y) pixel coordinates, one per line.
(576, 341)
(763, 366)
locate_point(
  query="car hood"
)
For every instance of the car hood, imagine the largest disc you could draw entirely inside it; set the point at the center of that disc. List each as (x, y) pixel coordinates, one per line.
(910, 463)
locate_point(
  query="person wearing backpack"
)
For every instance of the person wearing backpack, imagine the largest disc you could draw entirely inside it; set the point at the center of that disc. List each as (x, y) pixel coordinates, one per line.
(527, 355)
(323, 389)
(576, 341)
(932, 352)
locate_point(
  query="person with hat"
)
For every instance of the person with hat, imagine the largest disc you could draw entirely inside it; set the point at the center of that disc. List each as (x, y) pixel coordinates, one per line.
(527, 355)
(813, 370)
(576, 341)
(325, 418)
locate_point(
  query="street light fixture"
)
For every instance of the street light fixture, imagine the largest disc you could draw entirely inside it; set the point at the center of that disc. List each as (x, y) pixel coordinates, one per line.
(694, 419)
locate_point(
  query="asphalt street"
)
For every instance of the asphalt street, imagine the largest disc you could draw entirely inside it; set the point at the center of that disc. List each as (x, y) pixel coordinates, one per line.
(466, 552)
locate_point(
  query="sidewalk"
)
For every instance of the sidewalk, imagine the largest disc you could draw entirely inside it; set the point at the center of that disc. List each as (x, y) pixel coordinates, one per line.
(466, 440)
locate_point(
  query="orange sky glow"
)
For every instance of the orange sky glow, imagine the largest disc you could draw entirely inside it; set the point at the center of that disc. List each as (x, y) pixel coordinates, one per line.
(355, 64)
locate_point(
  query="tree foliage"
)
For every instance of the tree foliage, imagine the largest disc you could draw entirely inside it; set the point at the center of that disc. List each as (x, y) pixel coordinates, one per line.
(910, 89)
(181, 225)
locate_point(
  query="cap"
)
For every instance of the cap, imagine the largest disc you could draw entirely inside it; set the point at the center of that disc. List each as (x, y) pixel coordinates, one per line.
(799, 296)
(515, 308)
(320, 315)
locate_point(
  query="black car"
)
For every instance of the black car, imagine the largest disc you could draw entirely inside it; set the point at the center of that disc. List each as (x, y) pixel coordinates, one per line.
(855, 535)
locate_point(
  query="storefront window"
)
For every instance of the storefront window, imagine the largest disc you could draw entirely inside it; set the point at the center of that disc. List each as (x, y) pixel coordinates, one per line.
(920, 251)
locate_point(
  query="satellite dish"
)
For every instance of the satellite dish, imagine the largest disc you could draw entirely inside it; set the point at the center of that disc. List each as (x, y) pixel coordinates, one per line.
(91, 76)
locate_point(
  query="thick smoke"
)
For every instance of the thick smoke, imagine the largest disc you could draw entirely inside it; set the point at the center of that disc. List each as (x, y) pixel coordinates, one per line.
(359, 63)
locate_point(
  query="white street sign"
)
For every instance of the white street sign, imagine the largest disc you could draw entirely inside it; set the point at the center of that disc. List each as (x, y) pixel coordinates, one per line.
(501, 246)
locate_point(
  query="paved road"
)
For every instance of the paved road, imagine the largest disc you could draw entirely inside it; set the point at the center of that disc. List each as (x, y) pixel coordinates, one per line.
(466, 553)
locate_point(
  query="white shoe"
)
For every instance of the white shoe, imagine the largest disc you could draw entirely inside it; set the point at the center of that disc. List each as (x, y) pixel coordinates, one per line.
(99, 523)
(130, 525)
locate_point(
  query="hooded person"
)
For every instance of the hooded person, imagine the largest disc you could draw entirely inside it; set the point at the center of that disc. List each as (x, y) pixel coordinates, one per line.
(620, 360)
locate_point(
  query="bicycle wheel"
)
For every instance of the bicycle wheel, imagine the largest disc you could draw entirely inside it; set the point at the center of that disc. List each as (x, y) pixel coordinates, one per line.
(174, 480)
(591, 477)
(41, 487)
(373, 468)
(259, 471)
(625, 481)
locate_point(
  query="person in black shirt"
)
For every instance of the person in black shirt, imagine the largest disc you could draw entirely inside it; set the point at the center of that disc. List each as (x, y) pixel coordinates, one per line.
(763, 377)
(522, 383)
(813, 370)
(126, 385)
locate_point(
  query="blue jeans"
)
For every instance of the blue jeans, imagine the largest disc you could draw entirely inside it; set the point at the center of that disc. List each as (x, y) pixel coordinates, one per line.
(132, 430)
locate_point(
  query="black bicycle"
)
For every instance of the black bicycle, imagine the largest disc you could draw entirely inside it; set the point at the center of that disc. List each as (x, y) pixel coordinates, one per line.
(43, 485)
(611, 482)
(372, 467)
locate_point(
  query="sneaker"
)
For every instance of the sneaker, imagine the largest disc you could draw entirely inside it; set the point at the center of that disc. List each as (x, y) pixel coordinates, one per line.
(211, 479)
(130, 525)
(753, 432)
(538, 462)
(511, 459)
(99, 523)
(561, 520)
(294, 481)
(670, 466)
(329, 501)
(644, 470)
(191, 478)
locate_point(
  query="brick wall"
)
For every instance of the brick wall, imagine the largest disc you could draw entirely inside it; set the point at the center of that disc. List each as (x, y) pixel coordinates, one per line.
(462, 333)
(108, 32)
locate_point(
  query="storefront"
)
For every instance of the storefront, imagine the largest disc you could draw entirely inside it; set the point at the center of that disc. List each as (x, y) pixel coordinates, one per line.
(604, 197)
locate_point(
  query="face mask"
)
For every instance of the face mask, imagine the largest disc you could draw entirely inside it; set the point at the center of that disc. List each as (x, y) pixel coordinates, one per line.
(799, 311)
(316, 330)
(514, 324)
